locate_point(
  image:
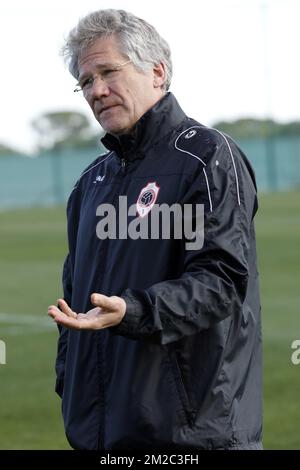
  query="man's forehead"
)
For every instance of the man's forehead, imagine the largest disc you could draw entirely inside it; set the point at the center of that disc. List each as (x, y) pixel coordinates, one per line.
(98, 62)
(102, 50)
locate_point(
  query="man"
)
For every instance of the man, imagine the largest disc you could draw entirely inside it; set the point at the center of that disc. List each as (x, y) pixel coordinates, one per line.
(168, 353)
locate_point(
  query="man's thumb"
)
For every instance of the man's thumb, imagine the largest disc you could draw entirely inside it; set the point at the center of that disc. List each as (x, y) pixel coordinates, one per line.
(102, 301)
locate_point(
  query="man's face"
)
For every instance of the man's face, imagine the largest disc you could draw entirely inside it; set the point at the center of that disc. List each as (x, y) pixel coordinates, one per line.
(118, 97)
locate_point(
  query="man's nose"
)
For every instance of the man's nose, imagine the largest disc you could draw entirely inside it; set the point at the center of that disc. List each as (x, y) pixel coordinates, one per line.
(99, 88)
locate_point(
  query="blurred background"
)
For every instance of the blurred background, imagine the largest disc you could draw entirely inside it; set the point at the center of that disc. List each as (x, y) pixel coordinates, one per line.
(236, 68)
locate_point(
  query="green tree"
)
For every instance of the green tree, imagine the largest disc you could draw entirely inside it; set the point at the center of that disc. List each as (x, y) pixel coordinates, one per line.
(248, 128)
(64, 129)
(7, 150)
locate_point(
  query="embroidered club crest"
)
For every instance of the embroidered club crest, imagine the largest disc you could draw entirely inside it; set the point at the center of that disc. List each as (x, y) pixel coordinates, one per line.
(146, 199)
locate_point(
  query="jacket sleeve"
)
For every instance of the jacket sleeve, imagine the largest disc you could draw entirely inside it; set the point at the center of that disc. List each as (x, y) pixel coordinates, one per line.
(214, 279)
(62, 344)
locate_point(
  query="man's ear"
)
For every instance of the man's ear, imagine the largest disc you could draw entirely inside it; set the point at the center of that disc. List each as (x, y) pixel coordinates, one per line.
(159, 75)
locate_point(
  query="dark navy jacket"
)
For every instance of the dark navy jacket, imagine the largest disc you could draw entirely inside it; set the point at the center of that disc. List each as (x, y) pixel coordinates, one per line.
(183, 368)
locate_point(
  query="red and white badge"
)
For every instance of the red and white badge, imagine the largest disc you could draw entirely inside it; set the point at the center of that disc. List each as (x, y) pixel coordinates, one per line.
(147, 198)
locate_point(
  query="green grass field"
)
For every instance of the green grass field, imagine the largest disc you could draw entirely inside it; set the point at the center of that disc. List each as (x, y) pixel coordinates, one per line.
(32, 249)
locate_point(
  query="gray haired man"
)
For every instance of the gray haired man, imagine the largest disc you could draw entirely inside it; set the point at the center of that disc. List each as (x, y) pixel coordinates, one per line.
(160, 345)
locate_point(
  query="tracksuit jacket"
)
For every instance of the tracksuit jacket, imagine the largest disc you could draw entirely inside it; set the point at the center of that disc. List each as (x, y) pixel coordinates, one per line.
(183, 369)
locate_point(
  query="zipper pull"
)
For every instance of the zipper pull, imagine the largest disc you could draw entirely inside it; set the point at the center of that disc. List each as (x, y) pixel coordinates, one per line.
(123, 163)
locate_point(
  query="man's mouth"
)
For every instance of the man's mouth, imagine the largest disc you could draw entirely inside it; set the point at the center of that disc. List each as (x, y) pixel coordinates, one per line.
(106, 108)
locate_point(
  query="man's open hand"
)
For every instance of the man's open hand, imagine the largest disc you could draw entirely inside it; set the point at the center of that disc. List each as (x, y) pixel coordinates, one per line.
(109, 311)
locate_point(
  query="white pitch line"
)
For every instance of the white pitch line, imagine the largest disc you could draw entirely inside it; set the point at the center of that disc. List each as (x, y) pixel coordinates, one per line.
(18, 330)
(24, 324)
(24, 319)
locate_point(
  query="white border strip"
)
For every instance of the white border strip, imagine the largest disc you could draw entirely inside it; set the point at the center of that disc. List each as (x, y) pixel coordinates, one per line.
(185, 151)
(208, 190)
(233, 162)
(198, 158)
(94, 166)
(109, 155)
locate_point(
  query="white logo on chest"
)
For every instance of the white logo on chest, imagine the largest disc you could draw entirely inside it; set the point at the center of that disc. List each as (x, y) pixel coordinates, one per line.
(99, 178)
(147, 198)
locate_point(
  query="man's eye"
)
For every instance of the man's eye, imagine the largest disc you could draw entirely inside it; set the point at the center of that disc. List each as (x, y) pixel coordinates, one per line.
(86, 83)
(108, 72)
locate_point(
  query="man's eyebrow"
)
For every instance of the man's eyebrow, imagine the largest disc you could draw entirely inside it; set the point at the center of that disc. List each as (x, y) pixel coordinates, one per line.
(98, 67)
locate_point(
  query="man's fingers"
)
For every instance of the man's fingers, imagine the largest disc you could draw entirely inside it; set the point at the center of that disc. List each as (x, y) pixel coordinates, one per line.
(108, 312)
(53, 311)
(92, 320)
(63, 315)
(68, 322)
(82, 322)
(66, 309)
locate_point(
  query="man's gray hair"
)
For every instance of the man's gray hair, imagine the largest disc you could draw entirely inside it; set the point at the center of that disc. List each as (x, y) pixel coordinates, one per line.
(137, 39)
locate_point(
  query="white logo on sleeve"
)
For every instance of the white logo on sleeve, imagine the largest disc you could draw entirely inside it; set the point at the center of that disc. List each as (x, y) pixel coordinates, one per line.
(147, 198)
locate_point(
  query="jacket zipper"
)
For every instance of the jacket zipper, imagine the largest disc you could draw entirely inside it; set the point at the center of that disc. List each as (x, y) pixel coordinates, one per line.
(102, 392)
(123, 164)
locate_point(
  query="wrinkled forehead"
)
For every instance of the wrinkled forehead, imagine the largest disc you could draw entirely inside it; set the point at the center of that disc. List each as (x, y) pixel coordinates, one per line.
(103, 50)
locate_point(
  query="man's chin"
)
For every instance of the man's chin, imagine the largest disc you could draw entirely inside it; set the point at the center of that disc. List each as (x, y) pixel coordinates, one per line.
(114, 128)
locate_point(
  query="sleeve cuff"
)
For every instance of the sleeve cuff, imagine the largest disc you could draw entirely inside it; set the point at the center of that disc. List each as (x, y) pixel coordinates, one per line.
(130, 321)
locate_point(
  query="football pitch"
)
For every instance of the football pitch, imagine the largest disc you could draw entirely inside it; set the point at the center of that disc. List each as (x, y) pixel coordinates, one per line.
(32, 249)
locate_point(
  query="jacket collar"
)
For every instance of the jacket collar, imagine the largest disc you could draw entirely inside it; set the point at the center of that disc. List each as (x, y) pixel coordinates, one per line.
(155, 124)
